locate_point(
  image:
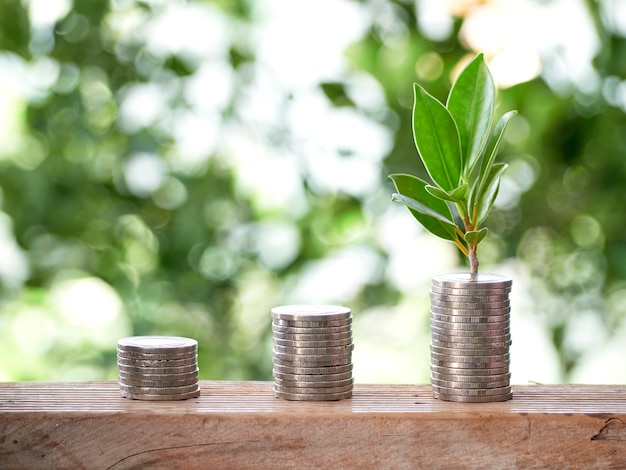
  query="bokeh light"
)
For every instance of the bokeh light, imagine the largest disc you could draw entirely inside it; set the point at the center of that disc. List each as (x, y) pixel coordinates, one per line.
(182, 167)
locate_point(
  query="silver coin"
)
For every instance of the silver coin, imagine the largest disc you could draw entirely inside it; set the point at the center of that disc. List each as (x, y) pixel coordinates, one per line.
(483, 333)
(285, 356)
(458, 362)
(500, 328)
(462, 280)
(158, 397)
(135, 362)
(468, 368)
(473, 391)
(479, 316)
(312, 396)
(488, 321)
(478, 384)
(124, 361)
(158, 344)
(158, 377)
(313, 344)
(158, 351)
(487, 297)
(333, 330)
(477, 359)
(468, 312)
(471, 291)
(314, 390)
(475, 379)
(474, 362)
(470, 299)
(469, 336)
(454, 336)
(469, 385)
(321, 384)
(460, 352)
(472, 399)
(156, 360)
(457, 342)
(312, 323)
(158, 370)
(159, 390)
(325, 362)
(157, 383)
(484, 368)
(489, 326)
(470, 295)
(470, 319)
(320, 361)
(488, 306)
(346, 336)
(326, 351)
(468, 372)
(471, 346)
(311, 312)
(312, 370)
(467, 308)
(155, 357)
(465, 339)
(312, 377)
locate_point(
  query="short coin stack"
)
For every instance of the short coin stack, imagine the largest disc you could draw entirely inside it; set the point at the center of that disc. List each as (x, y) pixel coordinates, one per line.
(470, 330)
(158, 368)
(312, 353)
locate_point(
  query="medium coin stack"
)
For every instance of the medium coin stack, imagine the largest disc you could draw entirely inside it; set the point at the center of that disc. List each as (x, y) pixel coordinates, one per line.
(471, 336)
(158, 368)
(312, 354)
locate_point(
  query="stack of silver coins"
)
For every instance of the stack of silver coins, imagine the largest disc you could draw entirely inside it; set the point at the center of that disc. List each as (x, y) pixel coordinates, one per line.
(471, 336)
(312, 356)
(158, 368)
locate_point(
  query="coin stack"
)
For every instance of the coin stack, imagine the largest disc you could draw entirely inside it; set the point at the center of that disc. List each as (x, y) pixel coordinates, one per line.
(312, 354)
(158, 368)
(471, 336)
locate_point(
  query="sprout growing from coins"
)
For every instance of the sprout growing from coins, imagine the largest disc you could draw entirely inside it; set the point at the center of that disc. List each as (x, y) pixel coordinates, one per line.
(458, 147)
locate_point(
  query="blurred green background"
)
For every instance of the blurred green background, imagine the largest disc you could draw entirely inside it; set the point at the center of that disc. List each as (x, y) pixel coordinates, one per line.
(180, 167)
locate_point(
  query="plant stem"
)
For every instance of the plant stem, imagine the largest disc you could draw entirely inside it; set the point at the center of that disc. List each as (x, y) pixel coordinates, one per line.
(471, 249)
(473, 259)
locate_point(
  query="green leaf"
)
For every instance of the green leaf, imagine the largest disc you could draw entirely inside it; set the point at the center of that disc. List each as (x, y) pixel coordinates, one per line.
(471, 103)
(437, 139)
(456, 196)
(434, 214)
(417, 206)
(476, 236)
(494, 143)
(489, 157)
(489, 191)
(460, 193)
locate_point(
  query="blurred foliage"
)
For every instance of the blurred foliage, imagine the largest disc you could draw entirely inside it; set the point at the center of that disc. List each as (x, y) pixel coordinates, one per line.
(126, 171)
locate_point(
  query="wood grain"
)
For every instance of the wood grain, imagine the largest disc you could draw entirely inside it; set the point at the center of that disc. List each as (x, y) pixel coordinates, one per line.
(240, 425)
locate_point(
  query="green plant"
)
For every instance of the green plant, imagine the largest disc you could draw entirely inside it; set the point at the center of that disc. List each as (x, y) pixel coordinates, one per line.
(458, 148)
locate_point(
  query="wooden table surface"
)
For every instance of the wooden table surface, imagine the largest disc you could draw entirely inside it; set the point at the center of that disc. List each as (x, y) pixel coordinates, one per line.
(241, 425)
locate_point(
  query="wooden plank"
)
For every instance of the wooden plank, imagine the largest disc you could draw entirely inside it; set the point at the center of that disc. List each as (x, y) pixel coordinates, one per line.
(240, 425)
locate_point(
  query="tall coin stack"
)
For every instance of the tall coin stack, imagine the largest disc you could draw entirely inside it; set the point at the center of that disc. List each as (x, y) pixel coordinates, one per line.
(471, 336)
(312, 354)
(158, 368)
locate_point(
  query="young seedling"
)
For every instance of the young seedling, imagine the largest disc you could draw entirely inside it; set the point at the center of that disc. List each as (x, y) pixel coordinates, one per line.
(458, 148)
